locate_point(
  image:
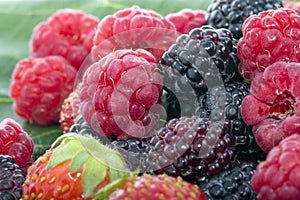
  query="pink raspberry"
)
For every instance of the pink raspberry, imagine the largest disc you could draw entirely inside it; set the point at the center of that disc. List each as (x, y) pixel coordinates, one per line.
(292, 4)
(70, 110)
(277, 178)
(268, 37)
(120, 92)
(16, 142)
(68, 33)
(187, 19)
(39, 87)
(133, 28)
(273, 108)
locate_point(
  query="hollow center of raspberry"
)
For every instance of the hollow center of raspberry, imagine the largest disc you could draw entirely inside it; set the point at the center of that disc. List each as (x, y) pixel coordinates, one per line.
(282, 106)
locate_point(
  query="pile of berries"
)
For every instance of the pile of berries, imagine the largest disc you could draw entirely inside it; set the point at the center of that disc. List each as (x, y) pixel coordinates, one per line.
(198, 104)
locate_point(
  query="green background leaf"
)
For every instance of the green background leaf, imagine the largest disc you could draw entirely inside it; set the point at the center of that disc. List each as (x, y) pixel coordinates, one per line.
(19, 17)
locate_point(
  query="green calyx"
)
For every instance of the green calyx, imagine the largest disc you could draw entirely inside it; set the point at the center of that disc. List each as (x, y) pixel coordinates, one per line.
(95, 159)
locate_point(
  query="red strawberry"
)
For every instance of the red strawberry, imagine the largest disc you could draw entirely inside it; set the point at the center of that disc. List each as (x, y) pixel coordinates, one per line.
(75, 169)
(159, 187)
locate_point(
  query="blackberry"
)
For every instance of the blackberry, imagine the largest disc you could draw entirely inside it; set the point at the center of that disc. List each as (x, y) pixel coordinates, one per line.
(11, 178)
(82, 127)
(224, 102)
(231, 184)
(196, 62)
(191, 147)
(134, 151)
(231, 14)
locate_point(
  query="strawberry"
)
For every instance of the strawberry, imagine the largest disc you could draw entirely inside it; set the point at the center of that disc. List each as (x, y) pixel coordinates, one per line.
(75, 167)
(149, 187)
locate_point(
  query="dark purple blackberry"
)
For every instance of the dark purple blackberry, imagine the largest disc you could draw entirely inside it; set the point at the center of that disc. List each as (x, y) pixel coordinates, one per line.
(196, 62)
(191, 147)
(231, 14)
(223, 103)
(11, 178)
(82, 127)
(134, 151)
(231, 184)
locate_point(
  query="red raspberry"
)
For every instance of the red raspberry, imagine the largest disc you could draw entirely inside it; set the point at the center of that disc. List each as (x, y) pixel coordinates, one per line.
(277, 178)
(39, 87)
(292, 4)
(68, 33)
(273, 107)
(133, 28)
(70, 110)
(268, 37)
(187, 19)
(14, 141)
(119, 93)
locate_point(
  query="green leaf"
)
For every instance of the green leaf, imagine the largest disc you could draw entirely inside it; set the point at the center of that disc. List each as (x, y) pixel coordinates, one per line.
(93, 174)
(64, 152)
(78, 160)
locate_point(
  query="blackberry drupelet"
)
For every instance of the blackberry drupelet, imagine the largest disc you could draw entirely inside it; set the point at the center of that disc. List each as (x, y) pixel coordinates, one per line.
(11, 178)
(231, 184)
(134, 151)
(224, 102)
(196, 62)
(82, 127)
(231, 14)
(191, 147)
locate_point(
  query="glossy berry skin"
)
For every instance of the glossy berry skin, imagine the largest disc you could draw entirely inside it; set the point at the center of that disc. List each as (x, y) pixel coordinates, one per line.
(159, 187)
(231, 14)
(191, 147)
(68, 33)
(231, 184)
(39, 87)
(16, 142)
(277, 178)
(204, 58)
(11, 179)
(133, 28)
(56, 182)
(187, 19)
(273, 106)
(223, 103)
(268, 37)
(120, 94)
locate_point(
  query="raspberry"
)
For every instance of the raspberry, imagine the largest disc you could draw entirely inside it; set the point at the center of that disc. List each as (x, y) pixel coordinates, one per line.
(70, 110)
(120, 94)
(191, 147)
(231, 14)
(15, 142)
(133, 28)
(224, 103)
(196, 62)
(39, 87)
(273, 105)
(232, 183)
(268, 37)
(11, 179)
(187, 19)
(68, 33)
(292, 4)
(278, 176)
